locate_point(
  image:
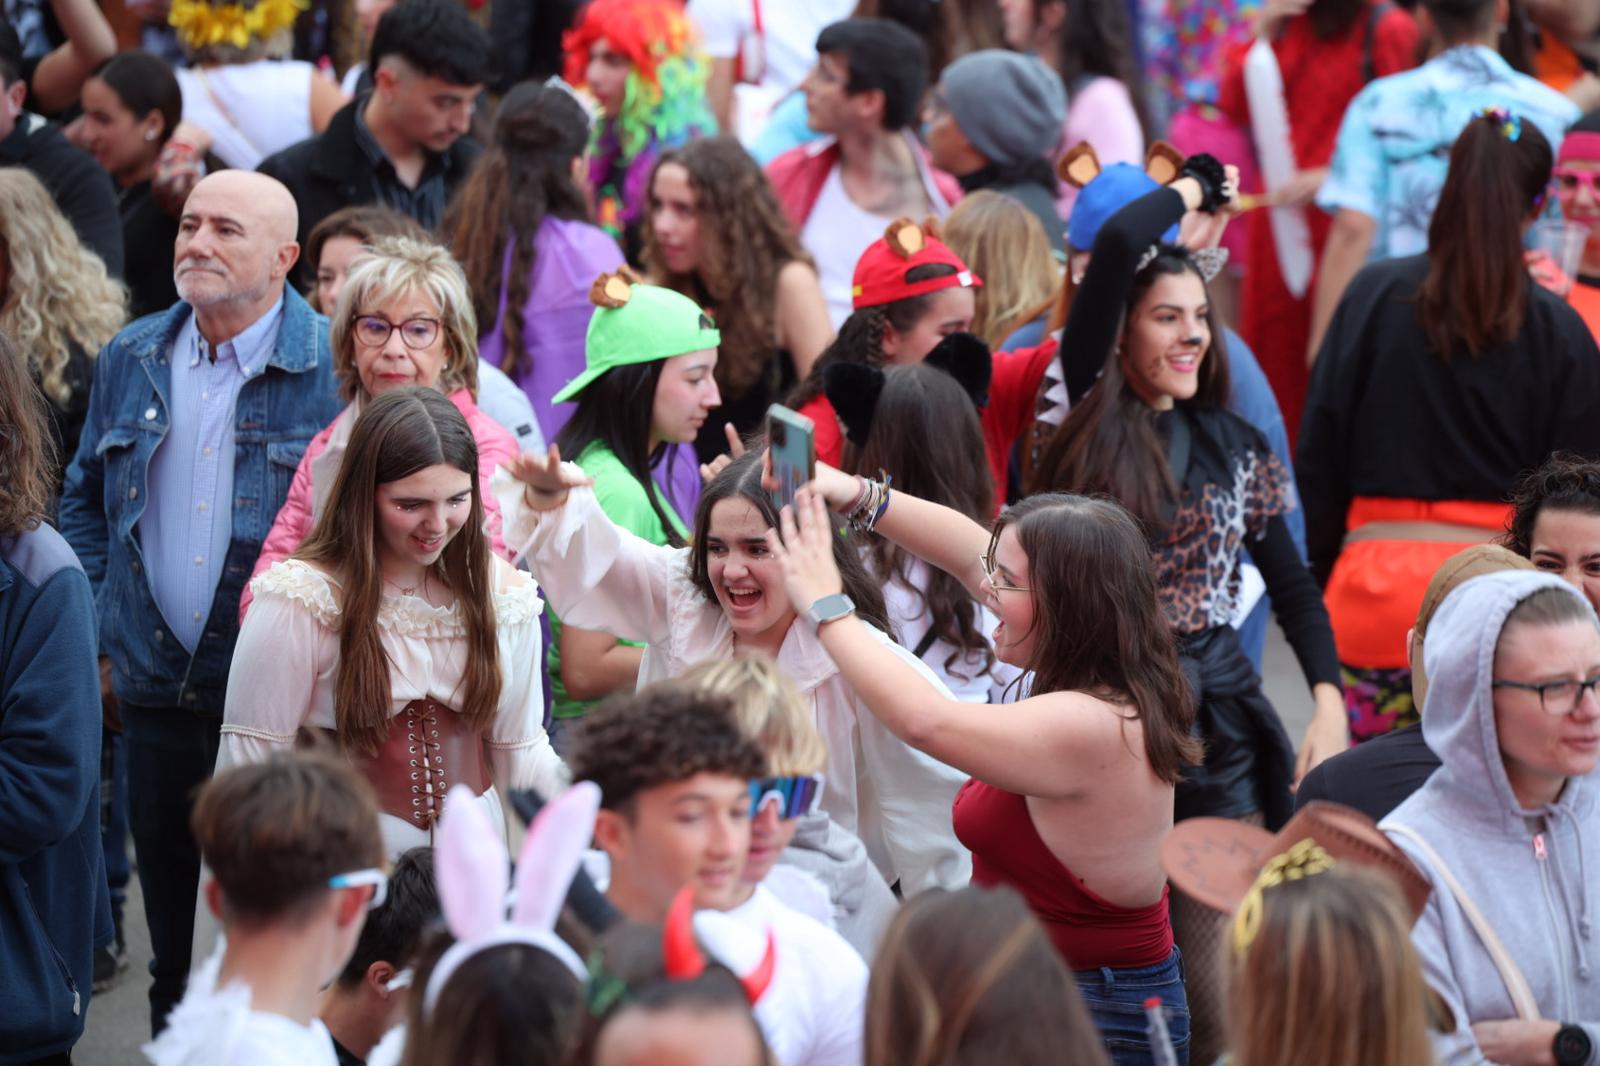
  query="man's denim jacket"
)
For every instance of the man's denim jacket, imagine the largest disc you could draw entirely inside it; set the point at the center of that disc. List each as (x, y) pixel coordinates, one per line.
(106, 490)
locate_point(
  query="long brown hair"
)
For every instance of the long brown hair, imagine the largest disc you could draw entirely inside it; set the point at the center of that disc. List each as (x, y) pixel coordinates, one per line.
(1477, 290)
(399, 433)
(1101, 628)
(741, 479)
(27, 451)
(524, 177)
(969, 977)
(1109, 444)
(925, 432)
(1331, 977)
(744, 242)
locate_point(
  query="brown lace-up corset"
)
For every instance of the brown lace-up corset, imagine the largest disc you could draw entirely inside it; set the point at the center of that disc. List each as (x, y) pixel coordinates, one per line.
(430, 750)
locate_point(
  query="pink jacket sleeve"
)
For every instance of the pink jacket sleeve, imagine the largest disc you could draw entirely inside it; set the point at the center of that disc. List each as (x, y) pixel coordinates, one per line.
(293, 523)
(496, 447)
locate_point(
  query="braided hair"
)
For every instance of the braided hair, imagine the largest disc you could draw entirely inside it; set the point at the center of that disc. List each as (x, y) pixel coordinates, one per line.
(524, 177)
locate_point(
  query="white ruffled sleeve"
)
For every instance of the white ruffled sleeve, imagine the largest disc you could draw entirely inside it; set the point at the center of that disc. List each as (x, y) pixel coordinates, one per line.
(596, 574)
(520, 755)
(277, 662)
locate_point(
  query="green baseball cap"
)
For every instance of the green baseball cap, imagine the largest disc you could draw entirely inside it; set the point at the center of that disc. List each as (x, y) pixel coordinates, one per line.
(638, 324)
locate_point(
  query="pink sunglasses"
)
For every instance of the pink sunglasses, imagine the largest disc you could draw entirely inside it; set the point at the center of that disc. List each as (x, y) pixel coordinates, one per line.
(1569, 180)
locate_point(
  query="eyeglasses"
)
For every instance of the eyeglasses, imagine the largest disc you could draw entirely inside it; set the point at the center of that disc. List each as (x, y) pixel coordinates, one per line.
(986, 561)
(1569, 180)
(1559, 698)
(416, 333)
(796, 795)
(362, 878)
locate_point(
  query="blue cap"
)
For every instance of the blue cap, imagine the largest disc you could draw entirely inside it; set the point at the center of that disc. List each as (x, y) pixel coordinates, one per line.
(1114, 188)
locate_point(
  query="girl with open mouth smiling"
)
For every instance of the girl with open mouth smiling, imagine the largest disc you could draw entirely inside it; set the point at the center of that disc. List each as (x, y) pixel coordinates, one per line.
(1146, 377)
(723, 596)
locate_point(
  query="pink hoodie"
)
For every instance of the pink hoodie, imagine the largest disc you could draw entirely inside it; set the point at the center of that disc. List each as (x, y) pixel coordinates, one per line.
(496, 446)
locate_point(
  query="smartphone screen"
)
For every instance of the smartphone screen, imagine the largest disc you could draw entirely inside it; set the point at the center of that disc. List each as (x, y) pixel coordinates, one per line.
(791, 439)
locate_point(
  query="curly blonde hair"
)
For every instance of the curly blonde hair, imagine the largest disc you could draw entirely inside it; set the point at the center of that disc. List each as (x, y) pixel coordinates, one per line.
(57, 293)
(745, 240)
(1005, 245)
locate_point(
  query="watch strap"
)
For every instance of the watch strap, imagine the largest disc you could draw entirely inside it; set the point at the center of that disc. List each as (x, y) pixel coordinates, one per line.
(830, 608)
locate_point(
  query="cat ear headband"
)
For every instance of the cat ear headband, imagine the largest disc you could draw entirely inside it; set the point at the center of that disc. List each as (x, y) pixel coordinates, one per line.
(853, 388)
(471, 869)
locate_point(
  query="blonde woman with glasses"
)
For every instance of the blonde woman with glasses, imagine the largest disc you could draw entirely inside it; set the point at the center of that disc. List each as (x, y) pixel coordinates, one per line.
(404, 317)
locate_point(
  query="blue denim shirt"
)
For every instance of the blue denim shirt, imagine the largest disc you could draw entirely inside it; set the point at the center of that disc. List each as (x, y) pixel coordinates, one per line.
(106, 491)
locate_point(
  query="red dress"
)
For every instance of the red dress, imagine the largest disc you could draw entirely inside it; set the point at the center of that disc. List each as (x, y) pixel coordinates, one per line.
(1320, 78)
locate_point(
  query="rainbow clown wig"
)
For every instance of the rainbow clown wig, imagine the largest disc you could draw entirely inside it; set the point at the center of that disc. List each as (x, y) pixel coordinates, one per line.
(665, 96)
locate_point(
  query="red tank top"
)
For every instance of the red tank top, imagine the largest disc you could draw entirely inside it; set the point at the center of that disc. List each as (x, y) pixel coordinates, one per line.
(1088, 931)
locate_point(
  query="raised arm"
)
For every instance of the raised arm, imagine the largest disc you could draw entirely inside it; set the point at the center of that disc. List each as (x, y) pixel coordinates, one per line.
(596, 574)
(1044, 746)
(934, 533)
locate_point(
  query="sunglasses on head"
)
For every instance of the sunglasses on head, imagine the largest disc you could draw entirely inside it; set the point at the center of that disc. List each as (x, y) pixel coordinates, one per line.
(795, 795)
(360, 879)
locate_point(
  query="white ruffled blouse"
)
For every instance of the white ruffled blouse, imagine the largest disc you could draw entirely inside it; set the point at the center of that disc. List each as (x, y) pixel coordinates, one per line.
(286, 663)
(600, 576)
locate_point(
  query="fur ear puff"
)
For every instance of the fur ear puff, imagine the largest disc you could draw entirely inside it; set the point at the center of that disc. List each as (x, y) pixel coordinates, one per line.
(1079, 166)
(905, 238)
(853, 390)
(930, 228)
(967, 359)
(615, 288)
(471, 867)
(1162, 162)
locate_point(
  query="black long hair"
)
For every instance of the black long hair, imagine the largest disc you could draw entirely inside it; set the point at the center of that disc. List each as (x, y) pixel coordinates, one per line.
(524, 177)
(1096, 40)
(925, 432)
(1109, 444)
(144, 82)
(615, 410)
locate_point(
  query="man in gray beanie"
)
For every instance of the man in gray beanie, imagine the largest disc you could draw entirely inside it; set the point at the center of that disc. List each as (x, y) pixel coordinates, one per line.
(994, 121)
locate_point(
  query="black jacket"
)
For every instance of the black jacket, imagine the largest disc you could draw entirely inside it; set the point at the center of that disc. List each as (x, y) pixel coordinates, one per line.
(75, 181)
(328, 171)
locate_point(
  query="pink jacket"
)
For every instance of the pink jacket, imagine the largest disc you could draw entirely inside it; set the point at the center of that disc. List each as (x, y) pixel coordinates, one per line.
(496, 446)
(799, 174)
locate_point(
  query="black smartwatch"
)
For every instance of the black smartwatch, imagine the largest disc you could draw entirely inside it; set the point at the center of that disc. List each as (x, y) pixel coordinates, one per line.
(1572, 1045)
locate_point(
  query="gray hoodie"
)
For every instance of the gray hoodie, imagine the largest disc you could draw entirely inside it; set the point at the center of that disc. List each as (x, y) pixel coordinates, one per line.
(1524, 868)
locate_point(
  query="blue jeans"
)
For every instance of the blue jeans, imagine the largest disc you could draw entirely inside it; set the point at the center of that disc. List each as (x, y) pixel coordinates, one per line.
(1115, 999)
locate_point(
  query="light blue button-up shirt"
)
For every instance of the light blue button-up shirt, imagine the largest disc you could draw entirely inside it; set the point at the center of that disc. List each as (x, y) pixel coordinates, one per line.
(186, 526)
(1394, 144)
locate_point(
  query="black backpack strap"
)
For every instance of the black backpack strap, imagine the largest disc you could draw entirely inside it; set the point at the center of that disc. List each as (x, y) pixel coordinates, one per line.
(925, 643)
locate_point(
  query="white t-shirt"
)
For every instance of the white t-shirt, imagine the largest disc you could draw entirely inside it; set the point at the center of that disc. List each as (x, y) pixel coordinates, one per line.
(789, 31)
(226, 101)
(216, 1027)
(910, 616)
(836, 233)
(815, 1008)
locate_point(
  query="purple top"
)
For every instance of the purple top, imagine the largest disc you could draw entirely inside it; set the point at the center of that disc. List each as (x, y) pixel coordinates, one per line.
(567, 257)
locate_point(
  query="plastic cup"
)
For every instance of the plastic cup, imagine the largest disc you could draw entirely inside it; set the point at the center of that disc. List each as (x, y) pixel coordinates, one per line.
(1562, 242)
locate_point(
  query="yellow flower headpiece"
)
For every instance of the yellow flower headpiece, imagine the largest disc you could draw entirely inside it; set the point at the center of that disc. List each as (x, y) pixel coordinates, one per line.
(1300, 861)
(200, 23)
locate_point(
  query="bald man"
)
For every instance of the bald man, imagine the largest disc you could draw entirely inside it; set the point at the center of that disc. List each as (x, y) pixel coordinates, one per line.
(196, 423)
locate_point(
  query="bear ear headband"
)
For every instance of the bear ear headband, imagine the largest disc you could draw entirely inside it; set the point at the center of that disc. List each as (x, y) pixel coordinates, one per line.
(1079, 166)
(853, 388)
(615, 288)
(472, 875)
(906, 238)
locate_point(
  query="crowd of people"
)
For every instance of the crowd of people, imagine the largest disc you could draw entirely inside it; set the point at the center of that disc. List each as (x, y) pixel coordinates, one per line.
(513, 708)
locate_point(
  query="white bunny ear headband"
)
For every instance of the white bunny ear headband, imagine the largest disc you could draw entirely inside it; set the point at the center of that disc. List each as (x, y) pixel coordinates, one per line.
(471, 864)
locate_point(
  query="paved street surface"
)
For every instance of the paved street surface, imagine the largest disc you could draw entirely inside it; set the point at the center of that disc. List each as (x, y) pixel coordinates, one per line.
(119, 1020)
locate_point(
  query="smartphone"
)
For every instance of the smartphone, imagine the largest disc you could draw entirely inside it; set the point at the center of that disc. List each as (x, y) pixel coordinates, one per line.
(791, 440)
